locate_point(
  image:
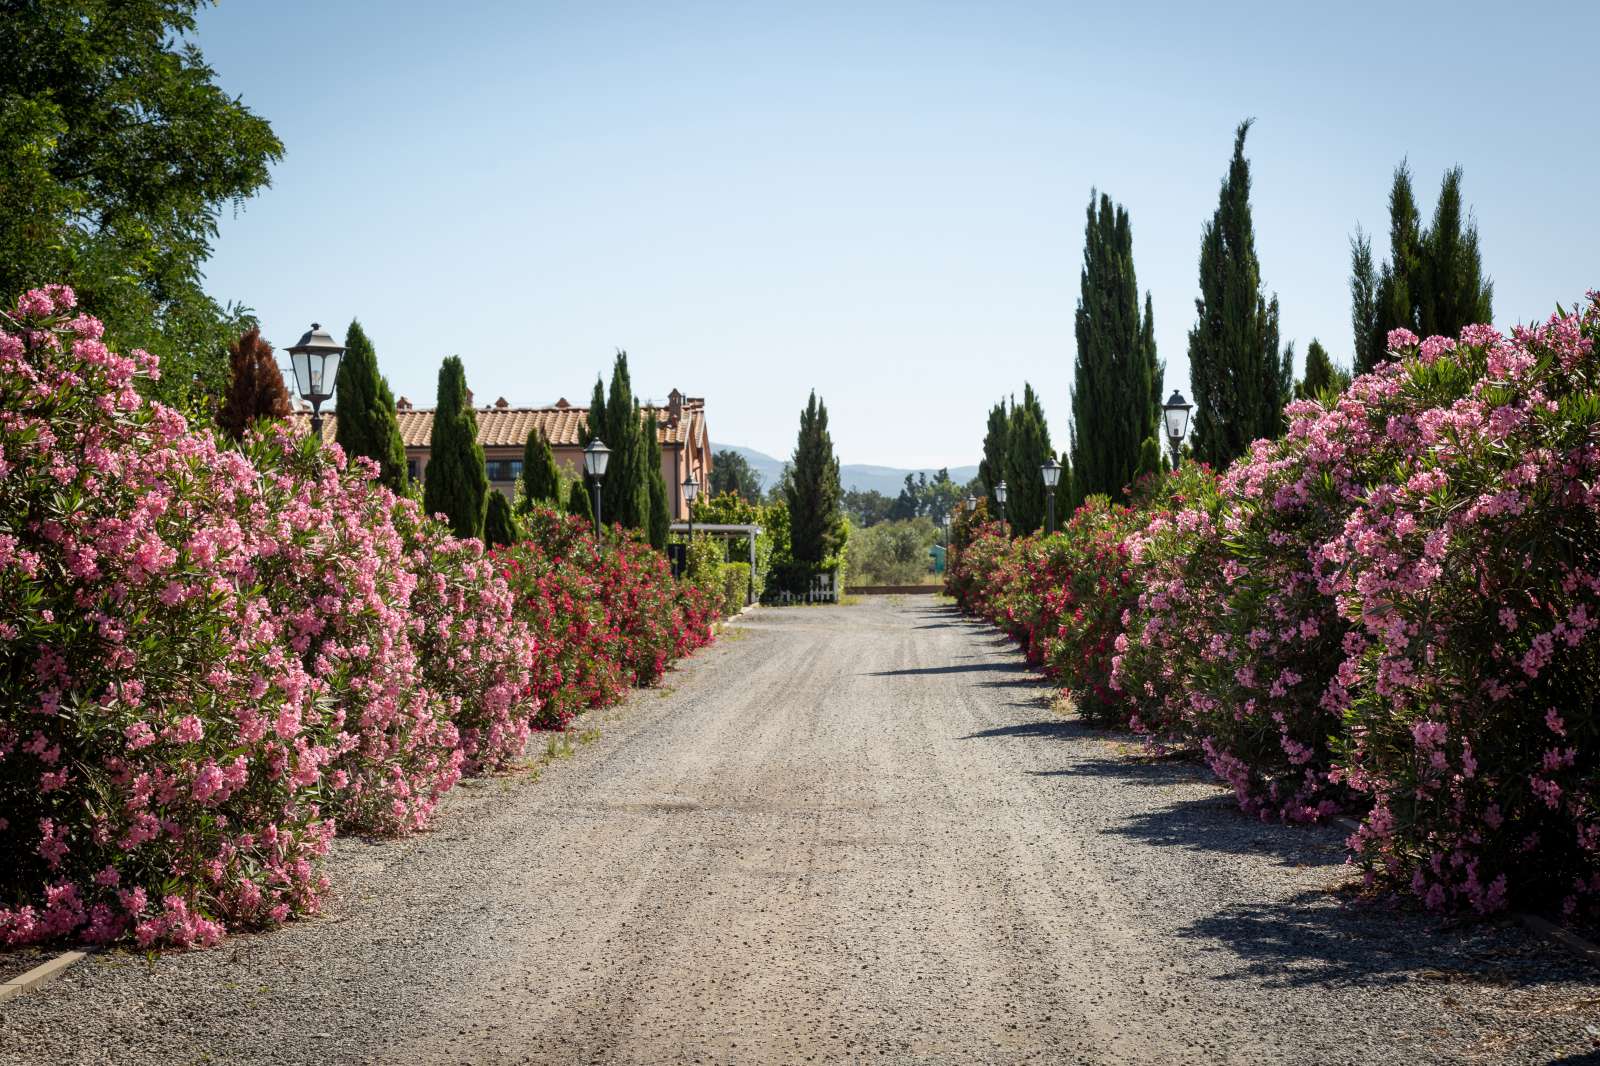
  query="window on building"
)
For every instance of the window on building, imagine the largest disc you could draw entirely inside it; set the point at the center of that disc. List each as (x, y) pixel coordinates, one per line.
(503, 469)
(412, 473)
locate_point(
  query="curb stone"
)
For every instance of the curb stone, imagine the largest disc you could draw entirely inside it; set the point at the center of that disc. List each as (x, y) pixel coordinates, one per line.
(41, 975)
(1540, 927)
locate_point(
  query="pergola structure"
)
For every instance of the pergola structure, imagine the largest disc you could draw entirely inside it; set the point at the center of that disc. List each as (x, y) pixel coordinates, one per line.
(729, 531)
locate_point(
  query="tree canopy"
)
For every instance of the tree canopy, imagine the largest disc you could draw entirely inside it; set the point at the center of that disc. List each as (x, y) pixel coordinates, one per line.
(732, 472)
(118, 151)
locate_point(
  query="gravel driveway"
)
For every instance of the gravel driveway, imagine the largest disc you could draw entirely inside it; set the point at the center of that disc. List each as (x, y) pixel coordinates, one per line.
(851, 834)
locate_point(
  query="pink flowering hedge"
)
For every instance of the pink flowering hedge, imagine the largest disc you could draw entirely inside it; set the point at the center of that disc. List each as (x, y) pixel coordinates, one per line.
(1392, 610)
(212, 656)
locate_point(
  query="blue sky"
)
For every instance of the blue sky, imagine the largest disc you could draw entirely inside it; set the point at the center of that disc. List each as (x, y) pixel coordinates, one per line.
(884, 202)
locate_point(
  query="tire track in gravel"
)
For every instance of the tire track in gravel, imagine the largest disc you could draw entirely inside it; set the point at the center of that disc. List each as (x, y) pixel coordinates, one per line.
(852, 834)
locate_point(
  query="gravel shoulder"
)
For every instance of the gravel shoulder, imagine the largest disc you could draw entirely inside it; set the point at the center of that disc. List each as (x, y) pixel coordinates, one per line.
(841, 834)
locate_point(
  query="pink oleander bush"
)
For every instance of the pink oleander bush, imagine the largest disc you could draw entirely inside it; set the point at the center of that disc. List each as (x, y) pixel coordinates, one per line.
(1472, 578)
(211, 656)
(1392, 609)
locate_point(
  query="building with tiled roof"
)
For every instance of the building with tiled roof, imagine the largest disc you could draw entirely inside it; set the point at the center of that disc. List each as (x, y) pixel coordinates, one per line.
(503, 432)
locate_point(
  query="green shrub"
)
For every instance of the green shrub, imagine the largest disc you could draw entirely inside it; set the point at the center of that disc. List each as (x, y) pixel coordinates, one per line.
(735, 583)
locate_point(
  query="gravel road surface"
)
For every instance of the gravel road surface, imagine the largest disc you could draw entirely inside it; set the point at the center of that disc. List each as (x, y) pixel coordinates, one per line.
(845, 834)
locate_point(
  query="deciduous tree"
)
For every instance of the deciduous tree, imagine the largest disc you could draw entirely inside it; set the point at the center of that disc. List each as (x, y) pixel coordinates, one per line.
(118, 151)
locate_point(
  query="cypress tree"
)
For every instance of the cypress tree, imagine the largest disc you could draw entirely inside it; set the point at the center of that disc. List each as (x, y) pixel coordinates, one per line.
(1363, 303)
(457, 483)
(1028, 449)
(815, 522)
(1321, 376)
(541, 481)
(499, 524)
(627, 487)
(992, 469)
(578, 502)
(1454, 293)
(366, 423)
(1117, 380)
(660, 516)
(1236, 372)
(255, 386)
(594, 424)
(1432, 282)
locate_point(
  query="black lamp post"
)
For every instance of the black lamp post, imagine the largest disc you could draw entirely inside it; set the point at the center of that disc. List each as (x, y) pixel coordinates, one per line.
(1000, 498)
(691, 489)
(1051, 471)
(1176, 412)
(595, 458)
(316, 368)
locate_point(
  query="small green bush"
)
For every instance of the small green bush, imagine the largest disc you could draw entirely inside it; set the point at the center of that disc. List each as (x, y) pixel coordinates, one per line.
(735, 583)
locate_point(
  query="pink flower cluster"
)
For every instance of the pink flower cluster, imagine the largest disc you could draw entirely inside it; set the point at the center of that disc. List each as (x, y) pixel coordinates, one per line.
(1393, 609)
(210, 655)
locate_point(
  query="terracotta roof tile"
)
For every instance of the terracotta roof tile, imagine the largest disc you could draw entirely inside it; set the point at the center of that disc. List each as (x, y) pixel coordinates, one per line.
(501, 427)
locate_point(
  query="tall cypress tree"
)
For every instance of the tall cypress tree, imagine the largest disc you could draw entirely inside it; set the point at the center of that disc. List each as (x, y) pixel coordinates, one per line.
(992, 470)
(627, 488)
(1117, 380)
(1454, 293)
(1027, 450)
(541, 481)
(594, 424)
(660, 516)
(815, 522)
(1236, 371)
(1432, 282)
(1364, 303)
(456, 483)
(367, 424)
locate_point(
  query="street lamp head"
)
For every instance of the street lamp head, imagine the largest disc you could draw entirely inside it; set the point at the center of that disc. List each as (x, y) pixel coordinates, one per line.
(316, 364)
(972, 503)
(691, 489)
(595, 458)
(1176, 412)
(1051, 471)
(1000, 493)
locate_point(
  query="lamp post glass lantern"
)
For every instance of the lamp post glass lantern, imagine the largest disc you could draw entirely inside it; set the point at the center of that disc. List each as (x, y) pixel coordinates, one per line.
(972, 504)
(595, 458)
(1176, 414)
(1050, 470)
(1000, 499)
(316, 367)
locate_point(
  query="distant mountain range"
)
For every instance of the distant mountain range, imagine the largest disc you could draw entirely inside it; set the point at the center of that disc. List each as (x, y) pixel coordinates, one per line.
(863, 477)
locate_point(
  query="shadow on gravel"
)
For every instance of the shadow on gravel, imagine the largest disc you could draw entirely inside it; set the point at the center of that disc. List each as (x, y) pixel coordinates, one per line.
(1050, 727)
(974, 668)
(1215, 824)
(1316, 939)
(1134, 771)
